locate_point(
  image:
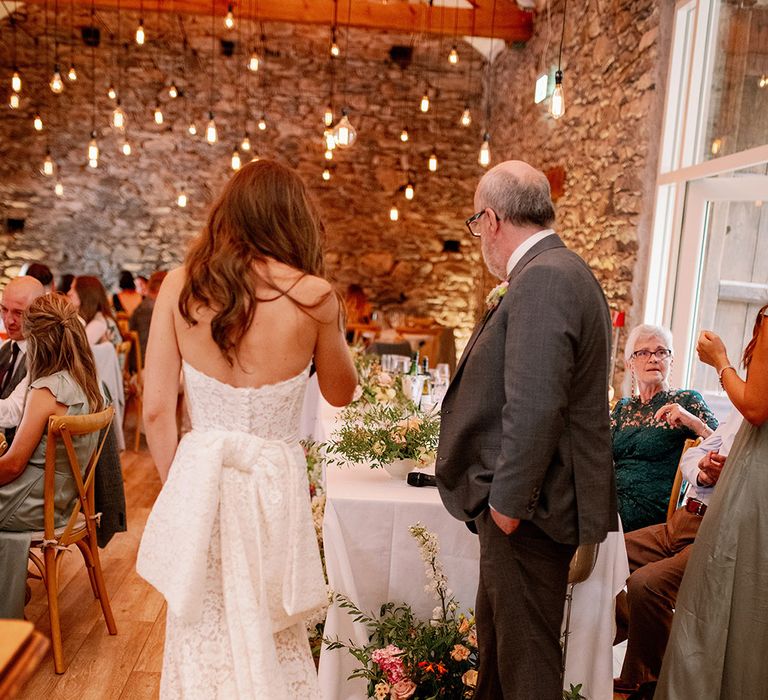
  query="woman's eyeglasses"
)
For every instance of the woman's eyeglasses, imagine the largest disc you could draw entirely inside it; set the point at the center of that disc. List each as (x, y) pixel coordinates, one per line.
(661, 354)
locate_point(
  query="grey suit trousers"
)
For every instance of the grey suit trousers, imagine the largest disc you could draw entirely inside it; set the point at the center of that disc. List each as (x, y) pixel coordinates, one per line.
(519, 611)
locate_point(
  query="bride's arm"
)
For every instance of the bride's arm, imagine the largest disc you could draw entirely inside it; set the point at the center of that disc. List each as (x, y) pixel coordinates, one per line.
(336, 374)
(161, 377)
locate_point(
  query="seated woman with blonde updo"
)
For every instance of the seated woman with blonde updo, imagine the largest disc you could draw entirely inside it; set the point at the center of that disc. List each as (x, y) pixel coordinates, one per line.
(650, 427)
(62, 381)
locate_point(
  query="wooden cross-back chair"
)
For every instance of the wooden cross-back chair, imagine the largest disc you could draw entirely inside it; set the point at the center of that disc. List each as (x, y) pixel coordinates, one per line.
(80, 528)
(677, 484)
(133, 381)
(580, 569)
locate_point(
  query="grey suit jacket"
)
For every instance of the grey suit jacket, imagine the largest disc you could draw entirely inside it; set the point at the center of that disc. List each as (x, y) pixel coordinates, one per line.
(16, 377)
(525, 422)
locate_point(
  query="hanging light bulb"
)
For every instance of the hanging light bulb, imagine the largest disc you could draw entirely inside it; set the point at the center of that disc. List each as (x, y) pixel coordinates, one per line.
(344, 134)
(335, 51)
(141, 37)
(118, 117)
(126, 148)
(262, 123)
(57, 84)
(181, 200)
(328, 154)
(14, 101)
(404, 135)
(424, 106)
(111, 92)
(432, 162)
(72, 73)
(330, 141)
(49, 167)
(236, 162)
(58, 189)
(453, 56)
(253, 61)
(484, 157)
(328, 116)
(763, 81)
(192, 129)
(466, 117)
(211, 135)
(93, 150)
(557, 105)
(245, 144)
(394, 214)
(173, 91)
(409, 191)
(16, 81)
(229, 20)
(158, 115)
(38, 123)
(326, 174)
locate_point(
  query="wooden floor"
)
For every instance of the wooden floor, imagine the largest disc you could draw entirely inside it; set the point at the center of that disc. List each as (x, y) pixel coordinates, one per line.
(100, 666)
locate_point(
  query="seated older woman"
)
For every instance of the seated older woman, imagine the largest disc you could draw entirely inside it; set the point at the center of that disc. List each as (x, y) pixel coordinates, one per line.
(62, 381)
(650, 427)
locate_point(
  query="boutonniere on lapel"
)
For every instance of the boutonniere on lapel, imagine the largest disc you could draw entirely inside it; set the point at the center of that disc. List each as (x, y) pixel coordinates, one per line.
(496, 295)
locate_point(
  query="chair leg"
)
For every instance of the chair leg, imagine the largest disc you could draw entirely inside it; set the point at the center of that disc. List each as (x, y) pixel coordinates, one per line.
(83, 547)
(137, 438)
(103, 596)
(566, 633)
(52, 588)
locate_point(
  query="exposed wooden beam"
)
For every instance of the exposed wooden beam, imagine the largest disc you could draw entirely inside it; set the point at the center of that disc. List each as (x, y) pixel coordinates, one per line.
(511, 23)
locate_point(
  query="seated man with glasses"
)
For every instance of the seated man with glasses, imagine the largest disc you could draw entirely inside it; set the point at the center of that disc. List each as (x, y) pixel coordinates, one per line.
(650, 426)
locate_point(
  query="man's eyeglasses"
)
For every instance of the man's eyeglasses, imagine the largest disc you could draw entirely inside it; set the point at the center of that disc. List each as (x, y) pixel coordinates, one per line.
(472, 223)
(661, 354)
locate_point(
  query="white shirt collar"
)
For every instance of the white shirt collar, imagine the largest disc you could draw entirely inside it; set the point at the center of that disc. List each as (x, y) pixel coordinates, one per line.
(22, 345)
(525, 246)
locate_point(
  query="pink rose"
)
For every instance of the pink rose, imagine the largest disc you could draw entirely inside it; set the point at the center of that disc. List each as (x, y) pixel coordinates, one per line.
(402, 690)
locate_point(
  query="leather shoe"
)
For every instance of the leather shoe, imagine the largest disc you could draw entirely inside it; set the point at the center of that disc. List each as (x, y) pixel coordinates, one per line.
(625, 687)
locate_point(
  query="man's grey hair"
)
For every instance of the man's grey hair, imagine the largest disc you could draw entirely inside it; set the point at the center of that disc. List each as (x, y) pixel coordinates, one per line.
(521, 201)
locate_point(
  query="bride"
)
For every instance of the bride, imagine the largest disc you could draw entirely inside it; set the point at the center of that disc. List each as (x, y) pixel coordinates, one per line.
(230, 541)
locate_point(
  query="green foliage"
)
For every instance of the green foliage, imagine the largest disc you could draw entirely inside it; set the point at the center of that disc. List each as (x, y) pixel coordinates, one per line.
(574, 693)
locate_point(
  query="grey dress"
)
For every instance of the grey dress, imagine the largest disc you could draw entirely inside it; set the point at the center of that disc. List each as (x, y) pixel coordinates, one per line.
(21, 500)
(719, 641)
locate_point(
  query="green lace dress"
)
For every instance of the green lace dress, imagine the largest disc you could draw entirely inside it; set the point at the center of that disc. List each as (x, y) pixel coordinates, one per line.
(646, 453)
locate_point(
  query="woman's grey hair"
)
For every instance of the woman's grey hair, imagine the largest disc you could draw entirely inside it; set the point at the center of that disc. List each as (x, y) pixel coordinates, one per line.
(644, 331)
(521, 201)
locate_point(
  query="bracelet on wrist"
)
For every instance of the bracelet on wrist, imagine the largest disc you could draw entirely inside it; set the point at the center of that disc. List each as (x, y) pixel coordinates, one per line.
(720, 374)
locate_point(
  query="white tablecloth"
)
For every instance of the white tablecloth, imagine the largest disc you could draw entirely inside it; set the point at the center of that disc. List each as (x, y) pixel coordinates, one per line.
(371, 558)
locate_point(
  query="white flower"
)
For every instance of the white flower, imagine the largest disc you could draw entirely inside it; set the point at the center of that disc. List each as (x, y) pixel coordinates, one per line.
(358, 393)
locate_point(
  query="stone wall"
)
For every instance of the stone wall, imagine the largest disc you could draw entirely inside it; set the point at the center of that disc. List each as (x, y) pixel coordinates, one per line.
(124, 213)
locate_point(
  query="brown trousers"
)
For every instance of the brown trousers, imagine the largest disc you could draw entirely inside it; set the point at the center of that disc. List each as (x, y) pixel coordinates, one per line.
(657, 557)
(519, 611)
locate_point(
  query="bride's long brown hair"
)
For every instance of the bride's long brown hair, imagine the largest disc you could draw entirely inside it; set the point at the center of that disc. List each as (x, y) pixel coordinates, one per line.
(751, 346)
(264, 212)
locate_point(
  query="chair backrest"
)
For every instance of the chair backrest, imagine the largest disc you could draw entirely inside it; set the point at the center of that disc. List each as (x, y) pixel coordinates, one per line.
(123, 322)
(582, 563)
(62, 429)
(677, 484)
(136, 347)
(123, 352)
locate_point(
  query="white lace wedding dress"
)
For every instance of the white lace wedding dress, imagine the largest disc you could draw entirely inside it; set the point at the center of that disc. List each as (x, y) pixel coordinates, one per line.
(231, 545)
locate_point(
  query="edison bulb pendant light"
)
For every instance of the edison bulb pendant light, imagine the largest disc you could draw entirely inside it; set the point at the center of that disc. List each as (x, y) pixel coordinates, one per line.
(158, 115)
(484, 157)
(335, 51)
(111, 92)
(453, 56)
(93, 151)
(262, 124)
(253, 62)
(404, 135)
(424, 106)
(173, 91)
(211, 135)
(245, 144)
(326, 174)
(330, 141)
(141, 36)
(48, 165)
(394, 214)
(181, 200)
(16, 81)
(126, 148)
(72, 73)
(229, 20)
(432, 162)
(344, 134)
(14, 101)
(235, 161)
(557, 105)
(409, 191)
(118, 117)
(56, 84)
(38, 123)
(466, 117)
(328, 116)
(58, 189)
(328, 154)
(192, 129)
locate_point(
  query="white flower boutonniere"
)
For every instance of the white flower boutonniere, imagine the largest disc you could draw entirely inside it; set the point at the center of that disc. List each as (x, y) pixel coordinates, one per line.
(496, 294)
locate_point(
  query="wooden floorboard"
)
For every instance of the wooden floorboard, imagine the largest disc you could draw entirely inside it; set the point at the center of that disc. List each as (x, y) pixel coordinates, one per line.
(101, 666)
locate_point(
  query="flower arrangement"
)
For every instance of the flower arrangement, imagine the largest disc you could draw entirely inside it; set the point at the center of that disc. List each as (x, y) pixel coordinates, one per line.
(374, 385)
(411, 658)
(380, 433)
(496, 295)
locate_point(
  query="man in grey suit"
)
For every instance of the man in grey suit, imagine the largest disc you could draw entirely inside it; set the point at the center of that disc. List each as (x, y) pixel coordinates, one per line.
(18, 294)
(525, 447)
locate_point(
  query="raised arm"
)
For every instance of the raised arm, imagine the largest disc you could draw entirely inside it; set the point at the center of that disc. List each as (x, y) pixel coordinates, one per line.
(161, 377)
